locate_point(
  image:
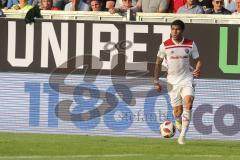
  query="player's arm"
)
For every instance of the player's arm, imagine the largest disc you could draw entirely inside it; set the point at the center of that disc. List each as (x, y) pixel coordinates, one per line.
(157, 70)
(197, 61)
(158, 67)
(198, 66)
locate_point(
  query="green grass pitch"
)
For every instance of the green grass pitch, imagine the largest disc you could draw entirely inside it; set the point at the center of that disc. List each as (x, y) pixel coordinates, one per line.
(15, 146)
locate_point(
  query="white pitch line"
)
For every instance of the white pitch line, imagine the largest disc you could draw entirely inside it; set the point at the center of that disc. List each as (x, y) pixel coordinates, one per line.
(70, 156)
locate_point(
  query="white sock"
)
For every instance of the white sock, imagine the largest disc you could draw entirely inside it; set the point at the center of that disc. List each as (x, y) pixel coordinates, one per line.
(186, 118)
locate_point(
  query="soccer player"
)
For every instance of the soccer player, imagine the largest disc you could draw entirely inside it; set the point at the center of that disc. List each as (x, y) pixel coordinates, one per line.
(177, 52)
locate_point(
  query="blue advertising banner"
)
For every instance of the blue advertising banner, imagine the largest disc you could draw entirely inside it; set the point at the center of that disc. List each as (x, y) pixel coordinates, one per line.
(28, 104)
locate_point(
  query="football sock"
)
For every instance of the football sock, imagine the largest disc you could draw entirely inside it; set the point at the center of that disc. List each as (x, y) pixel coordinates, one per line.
(186, 118)
(178, 119)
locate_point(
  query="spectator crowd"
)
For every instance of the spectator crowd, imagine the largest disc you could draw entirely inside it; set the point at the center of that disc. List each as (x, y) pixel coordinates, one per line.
(121, 6)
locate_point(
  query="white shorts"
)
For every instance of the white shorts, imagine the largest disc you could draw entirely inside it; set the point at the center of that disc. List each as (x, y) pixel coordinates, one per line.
(178, 92)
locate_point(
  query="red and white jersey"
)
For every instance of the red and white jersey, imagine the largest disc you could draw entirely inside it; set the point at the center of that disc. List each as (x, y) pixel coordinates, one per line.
(177, 58)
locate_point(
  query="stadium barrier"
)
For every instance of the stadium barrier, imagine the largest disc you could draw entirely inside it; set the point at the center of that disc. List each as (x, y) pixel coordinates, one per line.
(111, 91)
(188, 18)
(72, 15)
(140, 17)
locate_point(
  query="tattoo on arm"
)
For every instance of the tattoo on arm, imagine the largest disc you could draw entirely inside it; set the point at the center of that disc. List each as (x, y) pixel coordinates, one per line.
(158, 67)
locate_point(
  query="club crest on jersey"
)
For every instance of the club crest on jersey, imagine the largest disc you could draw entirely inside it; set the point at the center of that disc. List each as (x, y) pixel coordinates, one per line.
(187, 51)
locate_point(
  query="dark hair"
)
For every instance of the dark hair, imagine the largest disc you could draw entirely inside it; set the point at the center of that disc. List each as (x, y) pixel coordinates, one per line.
(178, 23)
(99, 1)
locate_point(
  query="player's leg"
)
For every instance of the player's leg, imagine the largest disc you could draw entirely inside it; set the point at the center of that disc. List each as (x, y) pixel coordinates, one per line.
(188, 94)
(177, 112)
(176, 102)
(187, 114)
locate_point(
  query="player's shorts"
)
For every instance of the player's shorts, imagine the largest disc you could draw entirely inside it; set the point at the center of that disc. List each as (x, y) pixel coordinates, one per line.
(178, 92)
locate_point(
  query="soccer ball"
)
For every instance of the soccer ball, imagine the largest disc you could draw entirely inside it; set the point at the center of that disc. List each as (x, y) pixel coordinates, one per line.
(167, 129)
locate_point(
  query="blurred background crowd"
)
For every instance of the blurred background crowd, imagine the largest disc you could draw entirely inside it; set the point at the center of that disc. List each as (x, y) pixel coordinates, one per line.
(118, 6)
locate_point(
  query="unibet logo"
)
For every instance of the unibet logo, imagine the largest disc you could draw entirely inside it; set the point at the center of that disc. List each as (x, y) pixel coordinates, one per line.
(223, 50)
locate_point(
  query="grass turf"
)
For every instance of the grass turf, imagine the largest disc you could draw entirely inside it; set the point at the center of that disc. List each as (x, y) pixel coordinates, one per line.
(72, 147)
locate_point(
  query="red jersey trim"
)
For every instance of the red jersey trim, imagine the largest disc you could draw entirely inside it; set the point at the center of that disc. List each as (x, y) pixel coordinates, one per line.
(179, 47)
(168, 42)
(187, 42)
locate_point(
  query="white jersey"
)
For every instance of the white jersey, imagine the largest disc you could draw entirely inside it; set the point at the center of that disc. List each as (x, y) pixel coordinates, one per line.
(177, 57)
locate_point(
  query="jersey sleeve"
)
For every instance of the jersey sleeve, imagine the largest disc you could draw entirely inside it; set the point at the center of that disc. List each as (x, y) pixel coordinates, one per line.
(195, 53)
(161, 51)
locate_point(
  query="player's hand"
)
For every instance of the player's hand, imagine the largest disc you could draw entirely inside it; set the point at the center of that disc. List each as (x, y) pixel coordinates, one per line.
(196, 73)
(158, 87)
